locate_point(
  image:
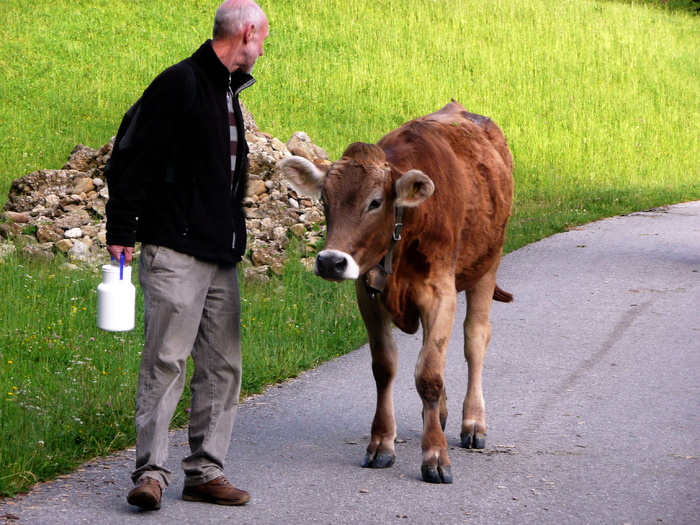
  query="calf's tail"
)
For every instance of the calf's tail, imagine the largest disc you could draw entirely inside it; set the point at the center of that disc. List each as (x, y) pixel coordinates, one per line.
(502, 295)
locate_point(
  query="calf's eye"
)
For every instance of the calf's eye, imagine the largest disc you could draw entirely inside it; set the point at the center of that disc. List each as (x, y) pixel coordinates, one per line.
(376, 203)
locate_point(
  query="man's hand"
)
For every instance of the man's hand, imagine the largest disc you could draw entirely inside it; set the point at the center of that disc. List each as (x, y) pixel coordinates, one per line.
(116, 252)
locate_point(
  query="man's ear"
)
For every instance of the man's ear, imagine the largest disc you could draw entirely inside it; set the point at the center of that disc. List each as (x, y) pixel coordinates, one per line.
(249, 33)
(304, 176)
(413, 188)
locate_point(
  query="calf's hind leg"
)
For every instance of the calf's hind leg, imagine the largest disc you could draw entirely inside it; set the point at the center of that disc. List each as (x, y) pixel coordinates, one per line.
(477, 334)
(380, 451)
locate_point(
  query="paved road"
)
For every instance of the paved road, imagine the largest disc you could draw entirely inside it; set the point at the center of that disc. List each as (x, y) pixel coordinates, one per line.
(592, 385)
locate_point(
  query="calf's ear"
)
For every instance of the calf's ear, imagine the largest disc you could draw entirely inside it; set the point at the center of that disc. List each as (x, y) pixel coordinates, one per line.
(413, 188)
(304, 176)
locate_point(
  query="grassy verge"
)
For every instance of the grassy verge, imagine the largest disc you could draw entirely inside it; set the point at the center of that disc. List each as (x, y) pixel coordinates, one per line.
(598, 100)
(295, 323)
(67, 389)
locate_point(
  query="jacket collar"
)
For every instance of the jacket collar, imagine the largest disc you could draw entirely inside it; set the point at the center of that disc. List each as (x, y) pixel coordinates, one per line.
(209, 61)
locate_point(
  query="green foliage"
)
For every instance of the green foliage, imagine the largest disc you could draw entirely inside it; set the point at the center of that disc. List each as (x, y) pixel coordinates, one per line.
(29, 230)
(689, 5)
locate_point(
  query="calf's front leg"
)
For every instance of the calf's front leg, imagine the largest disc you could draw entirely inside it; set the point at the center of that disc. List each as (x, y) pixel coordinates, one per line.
(380, 451)
(437, 306)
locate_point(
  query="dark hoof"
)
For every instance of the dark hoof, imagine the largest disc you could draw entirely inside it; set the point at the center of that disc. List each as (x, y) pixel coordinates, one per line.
(473, 441)
(436, 474)
(381, 460)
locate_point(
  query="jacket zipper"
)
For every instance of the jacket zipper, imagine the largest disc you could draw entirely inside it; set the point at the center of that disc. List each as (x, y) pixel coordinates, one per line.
(234, 182)
(239, 118)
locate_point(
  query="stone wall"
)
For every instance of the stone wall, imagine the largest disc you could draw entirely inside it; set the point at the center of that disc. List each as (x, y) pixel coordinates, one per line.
(51, 213)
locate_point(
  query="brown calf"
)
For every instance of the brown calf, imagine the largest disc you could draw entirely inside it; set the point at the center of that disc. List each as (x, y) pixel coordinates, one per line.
(415, 219)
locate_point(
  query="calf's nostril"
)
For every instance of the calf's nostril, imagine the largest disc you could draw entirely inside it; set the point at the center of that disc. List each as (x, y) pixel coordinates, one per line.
(341, 265)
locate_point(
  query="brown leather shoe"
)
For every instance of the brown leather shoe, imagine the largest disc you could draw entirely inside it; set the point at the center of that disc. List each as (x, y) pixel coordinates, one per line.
(218, 491)
(146, 494)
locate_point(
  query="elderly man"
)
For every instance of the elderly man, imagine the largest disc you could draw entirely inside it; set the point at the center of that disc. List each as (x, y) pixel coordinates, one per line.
(178, 189)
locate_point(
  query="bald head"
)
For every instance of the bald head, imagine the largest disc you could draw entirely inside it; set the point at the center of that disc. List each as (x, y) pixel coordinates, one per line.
(240, 30)
(234, 16)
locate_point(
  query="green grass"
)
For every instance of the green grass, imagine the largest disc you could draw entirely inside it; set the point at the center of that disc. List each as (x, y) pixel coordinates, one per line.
(294, 324)
(691, 6)
(597, 98)
(67, 389)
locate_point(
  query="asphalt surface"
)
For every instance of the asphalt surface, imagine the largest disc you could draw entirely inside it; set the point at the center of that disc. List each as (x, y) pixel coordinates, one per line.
(592, 386)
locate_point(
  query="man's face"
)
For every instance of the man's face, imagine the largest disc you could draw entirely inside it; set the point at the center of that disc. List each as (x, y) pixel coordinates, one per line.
(255, 47)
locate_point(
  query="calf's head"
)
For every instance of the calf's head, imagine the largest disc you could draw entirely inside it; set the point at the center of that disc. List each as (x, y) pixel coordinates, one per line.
(359, 193)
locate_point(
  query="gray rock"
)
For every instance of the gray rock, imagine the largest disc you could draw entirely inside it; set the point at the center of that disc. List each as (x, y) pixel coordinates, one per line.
(79, 248)
(67, 206)
(49, 233)
(6, 248)
(16, 216)
(83, 185)
(64, 245)
(73, 233)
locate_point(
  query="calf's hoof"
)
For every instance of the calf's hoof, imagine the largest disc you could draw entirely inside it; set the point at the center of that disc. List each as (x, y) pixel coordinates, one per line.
(470, 440)
(380, 460)
(473, 441)
(436, 473)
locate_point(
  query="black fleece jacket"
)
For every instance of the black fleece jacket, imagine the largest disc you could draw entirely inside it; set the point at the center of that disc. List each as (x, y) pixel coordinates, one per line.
(174, 186)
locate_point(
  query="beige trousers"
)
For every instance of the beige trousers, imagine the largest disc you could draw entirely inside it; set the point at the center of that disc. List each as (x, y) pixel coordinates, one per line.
(192, 307)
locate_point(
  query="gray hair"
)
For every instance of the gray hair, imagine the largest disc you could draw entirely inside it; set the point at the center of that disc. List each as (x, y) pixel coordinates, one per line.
(232, 19)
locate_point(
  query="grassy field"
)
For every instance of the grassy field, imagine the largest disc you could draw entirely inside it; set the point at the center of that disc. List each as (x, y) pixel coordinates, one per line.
(67, 389)
(598, 100)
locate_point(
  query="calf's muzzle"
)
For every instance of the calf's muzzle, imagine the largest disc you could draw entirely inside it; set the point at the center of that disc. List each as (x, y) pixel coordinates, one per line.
(335, 265)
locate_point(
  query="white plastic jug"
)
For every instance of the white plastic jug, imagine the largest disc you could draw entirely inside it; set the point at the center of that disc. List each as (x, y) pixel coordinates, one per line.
(116, 298)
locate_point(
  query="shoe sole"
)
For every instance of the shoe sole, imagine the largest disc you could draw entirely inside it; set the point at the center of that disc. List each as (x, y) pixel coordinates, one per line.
(216, 501)
(144, 501)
